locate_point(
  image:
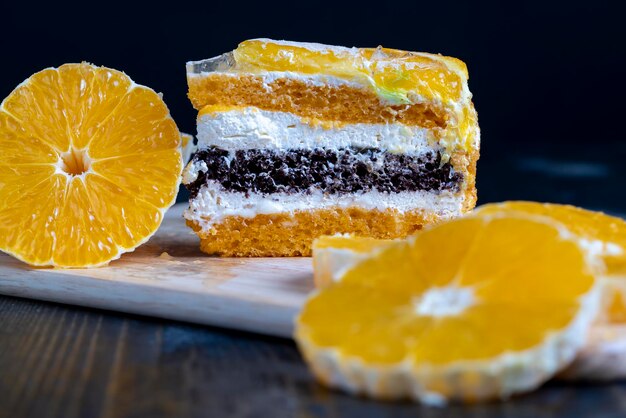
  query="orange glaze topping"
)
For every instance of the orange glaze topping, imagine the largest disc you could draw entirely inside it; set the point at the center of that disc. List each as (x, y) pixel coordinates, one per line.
(397, 76)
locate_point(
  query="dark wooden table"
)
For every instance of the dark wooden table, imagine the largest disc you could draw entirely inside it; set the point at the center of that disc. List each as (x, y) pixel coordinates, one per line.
(62, 361)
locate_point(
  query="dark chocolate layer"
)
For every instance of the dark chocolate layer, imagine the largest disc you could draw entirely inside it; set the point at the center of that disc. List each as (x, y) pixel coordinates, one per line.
(340, 171)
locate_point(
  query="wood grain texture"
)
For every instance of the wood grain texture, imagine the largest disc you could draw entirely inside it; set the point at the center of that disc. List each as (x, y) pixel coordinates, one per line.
(64, 362)
(169, 277)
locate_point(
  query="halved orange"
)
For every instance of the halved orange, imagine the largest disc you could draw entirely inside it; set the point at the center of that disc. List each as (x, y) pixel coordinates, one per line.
(89, 163)
(476, 308)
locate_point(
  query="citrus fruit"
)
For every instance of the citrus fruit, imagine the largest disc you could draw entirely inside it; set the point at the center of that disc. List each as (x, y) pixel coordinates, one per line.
(476, 308)
(603, 358)
(188, 146)
(603, 234)
(333, 255)
(606, 233)
(89, 163)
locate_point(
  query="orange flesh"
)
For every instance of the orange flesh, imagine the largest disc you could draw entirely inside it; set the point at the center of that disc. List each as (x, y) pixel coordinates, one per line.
(609, 231)
(526, 282)
(88, 165)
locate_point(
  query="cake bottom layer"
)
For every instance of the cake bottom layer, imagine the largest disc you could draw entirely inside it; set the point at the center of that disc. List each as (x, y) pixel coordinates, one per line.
(291, 234)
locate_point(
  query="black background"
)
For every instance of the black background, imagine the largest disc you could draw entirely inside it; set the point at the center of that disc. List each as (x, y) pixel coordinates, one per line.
(544, 74)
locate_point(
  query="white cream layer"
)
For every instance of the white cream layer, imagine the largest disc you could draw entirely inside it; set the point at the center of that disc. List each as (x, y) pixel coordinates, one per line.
(213, 203)
(250, 128)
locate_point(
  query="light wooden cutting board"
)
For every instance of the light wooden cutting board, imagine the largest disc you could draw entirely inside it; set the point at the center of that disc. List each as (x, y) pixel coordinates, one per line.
(169, 277)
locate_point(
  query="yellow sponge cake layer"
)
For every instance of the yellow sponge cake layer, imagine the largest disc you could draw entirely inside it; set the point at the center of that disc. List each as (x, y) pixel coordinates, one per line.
(302, 97)
(292, 234)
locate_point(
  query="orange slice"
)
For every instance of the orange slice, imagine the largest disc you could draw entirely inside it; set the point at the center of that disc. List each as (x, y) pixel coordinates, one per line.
(188, 146)
(89, 163)
(333, 255)
(603, 234)
(476, 308)
(604, 356)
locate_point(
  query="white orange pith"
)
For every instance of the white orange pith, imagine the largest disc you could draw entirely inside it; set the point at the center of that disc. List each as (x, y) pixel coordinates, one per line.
(89, 162)
(479, 307)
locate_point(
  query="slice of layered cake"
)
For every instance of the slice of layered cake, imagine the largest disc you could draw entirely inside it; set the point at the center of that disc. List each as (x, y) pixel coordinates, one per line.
(299, 140)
